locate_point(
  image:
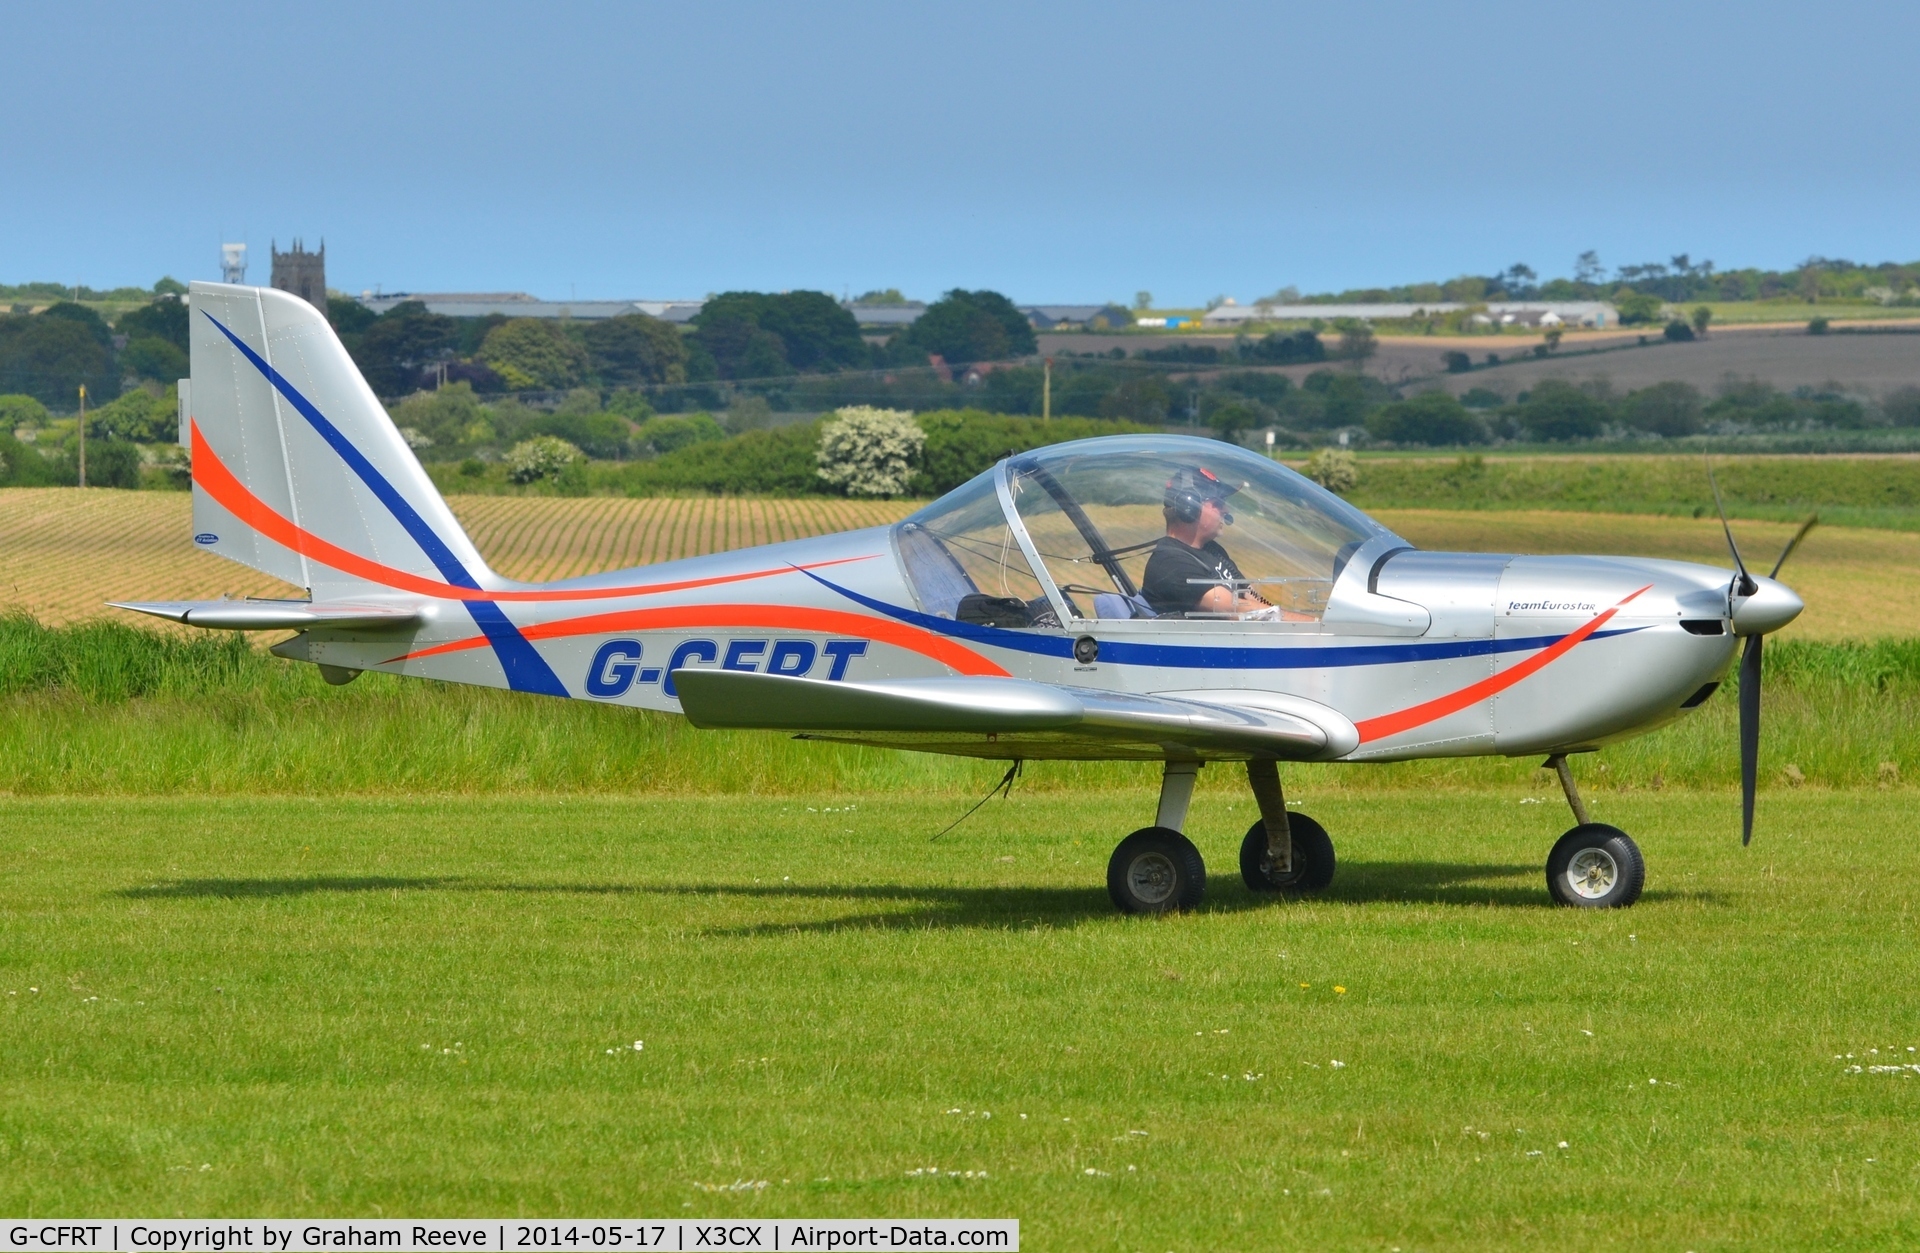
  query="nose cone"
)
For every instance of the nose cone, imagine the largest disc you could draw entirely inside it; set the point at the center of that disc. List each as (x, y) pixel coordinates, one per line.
(1771, 607)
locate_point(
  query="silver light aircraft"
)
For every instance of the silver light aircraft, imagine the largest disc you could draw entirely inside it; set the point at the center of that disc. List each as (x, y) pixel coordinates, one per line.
(1148, 598)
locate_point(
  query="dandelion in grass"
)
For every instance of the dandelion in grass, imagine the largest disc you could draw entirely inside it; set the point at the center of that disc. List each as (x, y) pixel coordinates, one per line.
(1338, 990)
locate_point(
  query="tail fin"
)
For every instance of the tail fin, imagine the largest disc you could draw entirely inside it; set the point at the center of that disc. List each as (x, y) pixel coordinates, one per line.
(297, 470)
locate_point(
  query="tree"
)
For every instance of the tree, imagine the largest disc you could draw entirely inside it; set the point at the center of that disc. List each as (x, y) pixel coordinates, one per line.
(1635, 307)
(96, 325)
(447, 418)
(139, 416)
(50, 358)
(1142, 301)
(534, 353)
(870, 452)
(1139, 399)
(1669, 409)
(1231, 417)
(1280, 348)
(671, 434)
(349, 316)
(1457, 362)
(1902, 406)
(1587, 267)
(635, 348)
(1678, 332)
(1429, 418)
(1557, 410)
(169, 286)
(155, 359)
(19, 411)
(1357, 343)
(163, 319)
(1701, 317)
(750, 335)
(963, 327)
(393, 350)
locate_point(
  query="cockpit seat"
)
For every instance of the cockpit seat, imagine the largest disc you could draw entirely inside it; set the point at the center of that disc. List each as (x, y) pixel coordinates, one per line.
(1114, 605)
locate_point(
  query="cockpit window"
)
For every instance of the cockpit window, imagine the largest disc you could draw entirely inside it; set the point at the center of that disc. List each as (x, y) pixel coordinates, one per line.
(1140, 527)
(1174, 527)
(965, 562)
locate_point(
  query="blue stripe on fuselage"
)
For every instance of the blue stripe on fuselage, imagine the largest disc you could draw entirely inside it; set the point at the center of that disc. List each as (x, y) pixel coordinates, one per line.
(526, 669)
(1214, 657)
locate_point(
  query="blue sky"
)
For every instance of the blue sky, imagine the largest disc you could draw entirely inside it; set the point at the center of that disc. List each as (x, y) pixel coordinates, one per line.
(1053, 151)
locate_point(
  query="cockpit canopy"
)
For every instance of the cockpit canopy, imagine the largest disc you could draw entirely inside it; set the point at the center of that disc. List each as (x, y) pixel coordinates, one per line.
(1065, 533)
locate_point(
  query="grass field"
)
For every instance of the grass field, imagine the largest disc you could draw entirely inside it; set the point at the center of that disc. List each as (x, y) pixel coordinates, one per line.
(283, 1006)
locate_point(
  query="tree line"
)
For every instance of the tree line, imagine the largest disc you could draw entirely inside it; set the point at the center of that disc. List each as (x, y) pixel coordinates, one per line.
(1678, 279)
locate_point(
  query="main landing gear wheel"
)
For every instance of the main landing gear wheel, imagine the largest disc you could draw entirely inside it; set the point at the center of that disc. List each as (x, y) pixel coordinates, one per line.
(1595, 866)
(1312, 858)
(1156, 870)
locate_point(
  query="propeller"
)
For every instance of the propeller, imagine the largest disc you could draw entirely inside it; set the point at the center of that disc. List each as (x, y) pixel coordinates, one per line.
(1742, 585)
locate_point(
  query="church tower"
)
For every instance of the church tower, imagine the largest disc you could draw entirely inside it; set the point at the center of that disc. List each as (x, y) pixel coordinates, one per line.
(303, 273)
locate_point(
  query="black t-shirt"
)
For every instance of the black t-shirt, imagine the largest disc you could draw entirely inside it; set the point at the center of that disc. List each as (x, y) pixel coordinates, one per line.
(1173, 563)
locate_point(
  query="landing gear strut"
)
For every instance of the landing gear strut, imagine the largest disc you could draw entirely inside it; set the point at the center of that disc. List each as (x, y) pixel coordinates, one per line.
(1157, 870)
(1593, 866)
(1282, 852)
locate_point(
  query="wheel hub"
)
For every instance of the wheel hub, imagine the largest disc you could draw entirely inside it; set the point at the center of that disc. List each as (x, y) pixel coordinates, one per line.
(1592, 873)
(1152, 878)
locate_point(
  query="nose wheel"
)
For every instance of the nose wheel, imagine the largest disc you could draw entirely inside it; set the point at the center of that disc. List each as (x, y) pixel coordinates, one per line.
(1593, 866)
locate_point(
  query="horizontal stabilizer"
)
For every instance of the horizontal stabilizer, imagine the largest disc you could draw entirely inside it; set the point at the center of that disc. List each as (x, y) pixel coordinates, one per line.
(274, 615)
(1004, 717)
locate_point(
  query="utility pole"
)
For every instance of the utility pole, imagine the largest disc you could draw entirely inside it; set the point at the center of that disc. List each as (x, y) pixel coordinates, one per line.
(83, 434)
(1046, 393)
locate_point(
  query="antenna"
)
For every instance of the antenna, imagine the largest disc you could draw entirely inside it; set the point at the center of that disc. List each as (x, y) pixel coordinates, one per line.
(233, 263)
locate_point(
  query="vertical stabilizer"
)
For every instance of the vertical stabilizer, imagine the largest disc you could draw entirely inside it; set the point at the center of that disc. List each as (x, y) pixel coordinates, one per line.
(297, 470)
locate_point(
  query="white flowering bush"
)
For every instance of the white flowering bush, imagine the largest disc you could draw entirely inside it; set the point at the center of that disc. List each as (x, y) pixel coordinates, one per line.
(1335, 469)
(870, 452)
(542, 457)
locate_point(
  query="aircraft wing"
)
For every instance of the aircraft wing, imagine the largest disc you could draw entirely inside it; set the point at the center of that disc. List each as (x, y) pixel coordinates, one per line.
(1007, 718)
(274, 615)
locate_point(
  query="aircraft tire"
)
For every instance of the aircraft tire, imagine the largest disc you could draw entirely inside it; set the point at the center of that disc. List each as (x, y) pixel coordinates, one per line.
(1312, 858)
(1156, 870)
(1595, 866)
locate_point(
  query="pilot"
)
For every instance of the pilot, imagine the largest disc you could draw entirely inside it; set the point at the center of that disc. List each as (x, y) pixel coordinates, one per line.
(1189, 572)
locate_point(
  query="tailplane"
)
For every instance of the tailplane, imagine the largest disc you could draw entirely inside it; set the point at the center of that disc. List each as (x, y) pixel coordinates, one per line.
(297, 469)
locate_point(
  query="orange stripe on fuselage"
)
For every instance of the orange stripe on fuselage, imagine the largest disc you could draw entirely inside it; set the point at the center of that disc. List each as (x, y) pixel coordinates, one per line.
(764, 617)
(210, 473)
(1453, 702)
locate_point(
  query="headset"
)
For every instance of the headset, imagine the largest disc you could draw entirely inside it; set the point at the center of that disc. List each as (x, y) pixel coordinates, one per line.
(1185, 499)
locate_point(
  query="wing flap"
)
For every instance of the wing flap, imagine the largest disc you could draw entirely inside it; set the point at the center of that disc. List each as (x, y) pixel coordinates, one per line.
(983, 716)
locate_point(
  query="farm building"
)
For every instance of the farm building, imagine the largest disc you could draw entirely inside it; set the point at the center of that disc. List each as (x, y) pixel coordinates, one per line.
(1594, 313)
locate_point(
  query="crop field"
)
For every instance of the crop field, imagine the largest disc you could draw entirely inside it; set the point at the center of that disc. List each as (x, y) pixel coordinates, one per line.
(1787, 357)
(64, 553)
(801, 1006)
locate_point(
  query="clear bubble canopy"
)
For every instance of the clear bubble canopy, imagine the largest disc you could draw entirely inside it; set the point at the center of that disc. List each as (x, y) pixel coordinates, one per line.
(1146, 526)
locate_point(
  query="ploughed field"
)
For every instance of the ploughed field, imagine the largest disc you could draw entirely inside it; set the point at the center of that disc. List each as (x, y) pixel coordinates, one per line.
(799, 1005)
(63, 553)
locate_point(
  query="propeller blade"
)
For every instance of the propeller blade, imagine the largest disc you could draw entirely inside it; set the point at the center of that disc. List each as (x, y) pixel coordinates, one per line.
(1746, 585)
(1749, 734)
(1794, 543)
